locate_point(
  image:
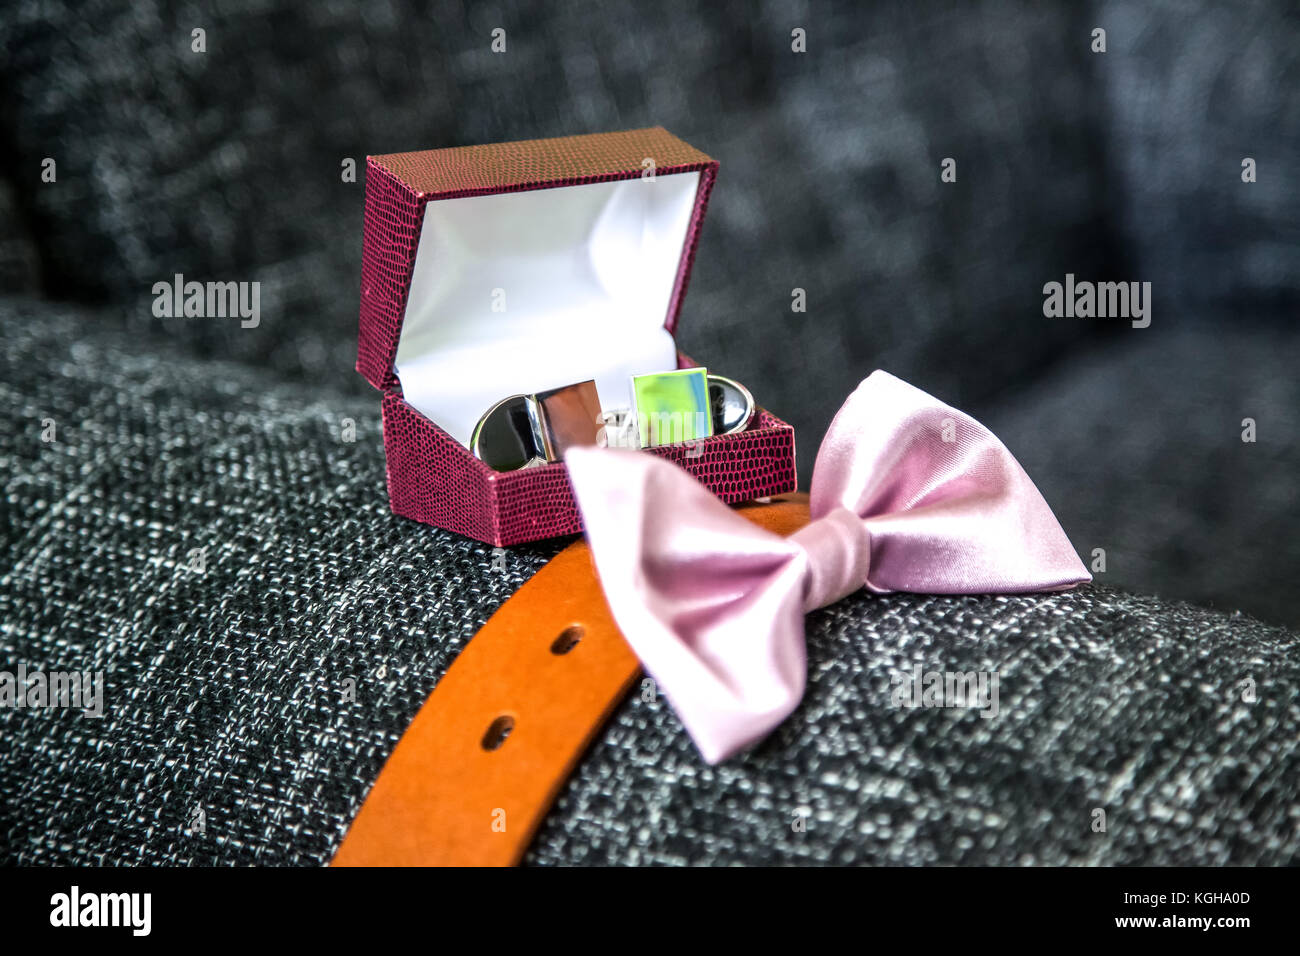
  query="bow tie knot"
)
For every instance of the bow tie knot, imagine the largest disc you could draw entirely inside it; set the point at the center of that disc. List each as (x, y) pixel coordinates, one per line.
(837, 548)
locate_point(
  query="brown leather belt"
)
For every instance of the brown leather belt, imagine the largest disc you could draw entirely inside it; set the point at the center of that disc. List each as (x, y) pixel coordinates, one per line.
(479, 767)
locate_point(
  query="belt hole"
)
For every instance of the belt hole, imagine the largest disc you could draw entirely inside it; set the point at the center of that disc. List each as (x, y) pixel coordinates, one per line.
(497, 732)
(568, 639)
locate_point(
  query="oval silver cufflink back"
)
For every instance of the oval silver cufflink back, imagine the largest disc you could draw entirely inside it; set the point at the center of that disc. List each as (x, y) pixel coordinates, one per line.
(731, 404)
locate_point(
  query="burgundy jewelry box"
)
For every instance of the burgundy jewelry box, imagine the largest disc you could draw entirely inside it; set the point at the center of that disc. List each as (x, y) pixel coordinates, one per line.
(511, 268)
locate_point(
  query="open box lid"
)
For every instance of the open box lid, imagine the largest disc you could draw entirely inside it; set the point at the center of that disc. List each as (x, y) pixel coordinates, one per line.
(535, 259)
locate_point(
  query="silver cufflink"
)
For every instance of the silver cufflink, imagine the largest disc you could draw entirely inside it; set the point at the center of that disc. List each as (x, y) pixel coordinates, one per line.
(524, 431)
(689, 404)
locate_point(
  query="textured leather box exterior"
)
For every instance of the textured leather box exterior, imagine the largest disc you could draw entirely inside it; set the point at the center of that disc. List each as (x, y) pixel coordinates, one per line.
(432, 477)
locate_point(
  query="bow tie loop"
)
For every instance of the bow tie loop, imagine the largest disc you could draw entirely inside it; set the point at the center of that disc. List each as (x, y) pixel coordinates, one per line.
(837, 549)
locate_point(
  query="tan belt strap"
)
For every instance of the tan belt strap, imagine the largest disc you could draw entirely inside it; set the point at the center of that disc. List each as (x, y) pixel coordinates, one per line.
(483, 760)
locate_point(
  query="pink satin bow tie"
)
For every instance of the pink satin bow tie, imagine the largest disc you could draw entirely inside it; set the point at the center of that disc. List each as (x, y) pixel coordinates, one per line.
(908, 494)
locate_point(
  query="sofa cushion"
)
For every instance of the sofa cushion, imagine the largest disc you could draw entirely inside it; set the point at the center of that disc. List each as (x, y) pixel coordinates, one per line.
(227, 166)
(1191, 89)
(1139, 450)
(230, 735)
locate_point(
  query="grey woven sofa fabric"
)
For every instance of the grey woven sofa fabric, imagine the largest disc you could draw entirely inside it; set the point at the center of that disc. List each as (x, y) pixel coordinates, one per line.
(1107, 701)
(225, 688)
(226, 685)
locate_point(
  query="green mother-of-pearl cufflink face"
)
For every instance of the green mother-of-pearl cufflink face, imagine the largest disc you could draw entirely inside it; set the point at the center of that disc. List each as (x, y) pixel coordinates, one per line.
(527, 430)
(673, 407)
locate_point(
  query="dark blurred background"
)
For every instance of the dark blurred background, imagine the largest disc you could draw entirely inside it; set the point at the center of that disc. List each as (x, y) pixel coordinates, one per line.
(1122, 165)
